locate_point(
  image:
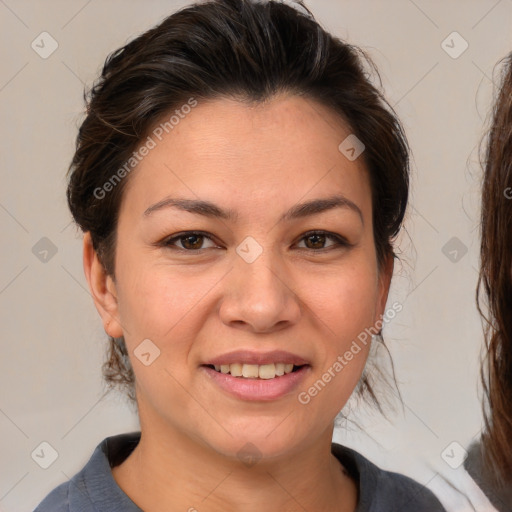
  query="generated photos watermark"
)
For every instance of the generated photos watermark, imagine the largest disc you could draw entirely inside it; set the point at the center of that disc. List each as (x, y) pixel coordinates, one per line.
(144, 149)
(304, 397)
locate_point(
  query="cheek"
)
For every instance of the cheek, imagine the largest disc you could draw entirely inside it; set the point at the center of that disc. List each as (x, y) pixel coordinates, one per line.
(168, 305)
(153, 298)
(164, 306)
(343, 314)
(344, 303)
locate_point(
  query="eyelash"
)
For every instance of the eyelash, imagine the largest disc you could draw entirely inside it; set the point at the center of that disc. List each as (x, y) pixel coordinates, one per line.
(340, 242)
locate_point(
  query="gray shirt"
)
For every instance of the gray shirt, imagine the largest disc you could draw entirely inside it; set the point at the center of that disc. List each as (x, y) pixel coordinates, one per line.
(93, 489)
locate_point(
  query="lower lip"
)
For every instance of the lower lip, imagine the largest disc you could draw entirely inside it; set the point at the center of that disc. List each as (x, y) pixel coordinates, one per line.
(258, 389)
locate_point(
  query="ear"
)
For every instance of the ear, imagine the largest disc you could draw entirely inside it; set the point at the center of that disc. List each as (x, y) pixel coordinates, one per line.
(384, 283)
(103, 289)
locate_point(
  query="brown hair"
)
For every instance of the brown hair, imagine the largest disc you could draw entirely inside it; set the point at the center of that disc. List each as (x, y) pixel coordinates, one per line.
(228, 48)
(496, 279)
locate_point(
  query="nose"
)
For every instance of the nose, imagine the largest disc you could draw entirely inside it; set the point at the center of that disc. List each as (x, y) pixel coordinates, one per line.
(259, 296)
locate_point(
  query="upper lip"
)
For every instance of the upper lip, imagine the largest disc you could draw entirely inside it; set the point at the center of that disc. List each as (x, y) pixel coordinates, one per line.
(259, 358)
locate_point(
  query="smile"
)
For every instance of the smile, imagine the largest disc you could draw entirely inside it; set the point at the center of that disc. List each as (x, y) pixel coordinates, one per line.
(266, 386)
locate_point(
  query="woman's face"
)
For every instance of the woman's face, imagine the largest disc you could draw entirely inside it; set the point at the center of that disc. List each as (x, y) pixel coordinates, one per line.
(254, 281)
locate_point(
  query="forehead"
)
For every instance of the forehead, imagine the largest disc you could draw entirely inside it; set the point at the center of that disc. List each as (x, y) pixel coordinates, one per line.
(281, 151)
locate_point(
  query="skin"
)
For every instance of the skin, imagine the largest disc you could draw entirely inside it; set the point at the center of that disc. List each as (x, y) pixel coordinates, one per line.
(302, 295)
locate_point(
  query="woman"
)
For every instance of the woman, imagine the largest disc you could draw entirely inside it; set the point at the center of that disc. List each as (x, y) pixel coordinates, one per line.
(490, 463)
(239, 182)
(486, 479)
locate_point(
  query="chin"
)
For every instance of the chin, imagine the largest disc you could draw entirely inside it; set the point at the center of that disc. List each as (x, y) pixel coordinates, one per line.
(249, 445)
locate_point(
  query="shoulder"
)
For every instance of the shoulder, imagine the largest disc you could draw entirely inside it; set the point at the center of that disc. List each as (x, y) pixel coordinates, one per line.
(499, 495)
(93, 488)
(404, 493)
(56, 501)
(381, 490)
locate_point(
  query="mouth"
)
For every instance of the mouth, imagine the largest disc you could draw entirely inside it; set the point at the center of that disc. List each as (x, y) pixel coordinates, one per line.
(257, 383)
(250, 375)
(255, 371)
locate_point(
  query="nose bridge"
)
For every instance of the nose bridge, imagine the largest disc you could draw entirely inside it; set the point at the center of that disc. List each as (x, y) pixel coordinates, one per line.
(259, 293)
(258, 270)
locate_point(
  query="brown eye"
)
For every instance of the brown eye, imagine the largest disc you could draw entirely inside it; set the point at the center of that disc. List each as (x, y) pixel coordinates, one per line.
(315, 241)
(192, 241)
(189, 241)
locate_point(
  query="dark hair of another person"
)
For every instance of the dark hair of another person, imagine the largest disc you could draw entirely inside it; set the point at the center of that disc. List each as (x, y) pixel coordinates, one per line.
(240, 50)
(496, 279)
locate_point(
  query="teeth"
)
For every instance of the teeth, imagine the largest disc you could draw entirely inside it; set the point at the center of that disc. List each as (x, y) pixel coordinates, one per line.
(236, 369)
(254, 371)
(267, 371)
(280, 369)
(250, 370)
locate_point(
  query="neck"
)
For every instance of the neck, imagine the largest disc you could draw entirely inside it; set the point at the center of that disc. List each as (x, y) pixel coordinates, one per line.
(170, 471)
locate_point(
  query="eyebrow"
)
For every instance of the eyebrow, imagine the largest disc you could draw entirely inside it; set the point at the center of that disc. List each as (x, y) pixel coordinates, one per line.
(208, 209)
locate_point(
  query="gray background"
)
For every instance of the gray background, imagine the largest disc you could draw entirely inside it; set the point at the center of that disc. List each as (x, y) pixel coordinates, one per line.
(52, 343)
